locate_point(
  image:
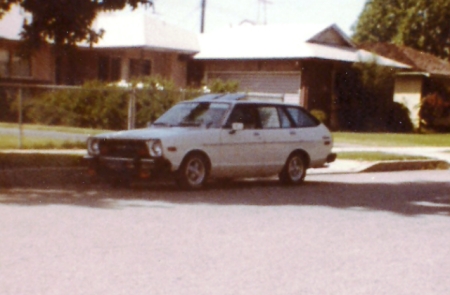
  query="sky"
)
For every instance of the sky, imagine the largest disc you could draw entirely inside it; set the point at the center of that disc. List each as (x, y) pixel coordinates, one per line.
(222, 14)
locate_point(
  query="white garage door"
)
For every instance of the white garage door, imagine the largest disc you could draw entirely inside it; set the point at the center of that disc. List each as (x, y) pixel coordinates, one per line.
(262, 82)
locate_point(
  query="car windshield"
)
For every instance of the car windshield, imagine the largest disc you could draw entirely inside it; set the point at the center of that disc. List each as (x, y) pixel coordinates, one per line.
(208, 114)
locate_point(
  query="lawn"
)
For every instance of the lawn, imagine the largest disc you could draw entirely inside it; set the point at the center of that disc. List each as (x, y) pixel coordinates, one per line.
(391, 139)
(377, 156)
(65, 129)
(8, 141)
(12, 142)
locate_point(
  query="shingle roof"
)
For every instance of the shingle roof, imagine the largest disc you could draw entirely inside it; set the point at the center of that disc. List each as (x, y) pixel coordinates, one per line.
(419, 61)
(285, 42)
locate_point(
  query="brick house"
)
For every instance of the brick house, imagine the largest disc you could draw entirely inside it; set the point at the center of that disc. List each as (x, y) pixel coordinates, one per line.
(427, 71)
(133, 45)
(309, 65)
(16, 67)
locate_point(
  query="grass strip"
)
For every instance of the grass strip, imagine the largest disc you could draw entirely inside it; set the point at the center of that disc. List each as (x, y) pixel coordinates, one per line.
(65, 129)
(392, 139)
(377, 156)
(12, 142)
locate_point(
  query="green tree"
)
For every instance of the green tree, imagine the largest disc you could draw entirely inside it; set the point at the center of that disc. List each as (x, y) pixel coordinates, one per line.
(420, 24)
(63, 22)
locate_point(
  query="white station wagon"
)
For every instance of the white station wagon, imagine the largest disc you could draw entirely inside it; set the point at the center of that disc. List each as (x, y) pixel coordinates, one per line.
(217, 136)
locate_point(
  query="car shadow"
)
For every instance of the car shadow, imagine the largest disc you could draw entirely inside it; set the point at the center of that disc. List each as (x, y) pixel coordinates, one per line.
(406, 198)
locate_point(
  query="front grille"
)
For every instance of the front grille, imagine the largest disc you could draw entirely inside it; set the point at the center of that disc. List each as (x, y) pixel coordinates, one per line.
(123, 148)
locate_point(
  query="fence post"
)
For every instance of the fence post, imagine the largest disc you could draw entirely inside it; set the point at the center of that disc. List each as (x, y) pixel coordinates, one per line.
(132, 110)
(20, 103)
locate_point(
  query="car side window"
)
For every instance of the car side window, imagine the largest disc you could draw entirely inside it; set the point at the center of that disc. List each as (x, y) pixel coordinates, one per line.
(245, 114)
(301, 118)
(269, 117)
(284, 118)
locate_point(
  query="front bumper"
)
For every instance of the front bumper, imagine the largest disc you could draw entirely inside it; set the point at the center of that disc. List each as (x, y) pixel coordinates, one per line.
(127, 167)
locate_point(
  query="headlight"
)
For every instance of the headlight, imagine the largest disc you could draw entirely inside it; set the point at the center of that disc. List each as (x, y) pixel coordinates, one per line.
(93, 146)
(155, 148)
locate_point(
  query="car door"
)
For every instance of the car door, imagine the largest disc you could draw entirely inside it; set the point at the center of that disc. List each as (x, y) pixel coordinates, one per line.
(306, 134)
(242, 150)
(277, 132)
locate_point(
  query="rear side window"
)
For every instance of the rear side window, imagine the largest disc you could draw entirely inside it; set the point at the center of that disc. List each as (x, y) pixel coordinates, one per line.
(269, 117)
(302, 118)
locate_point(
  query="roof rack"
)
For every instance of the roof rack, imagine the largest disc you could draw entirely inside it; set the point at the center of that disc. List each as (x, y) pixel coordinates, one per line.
(222, 96)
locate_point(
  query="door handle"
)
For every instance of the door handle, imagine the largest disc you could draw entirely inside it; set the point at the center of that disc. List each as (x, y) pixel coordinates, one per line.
(292, 133)
(256, 134)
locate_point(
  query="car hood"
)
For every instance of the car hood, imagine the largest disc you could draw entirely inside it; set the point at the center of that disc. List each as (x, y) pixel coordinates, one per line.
(147, 133)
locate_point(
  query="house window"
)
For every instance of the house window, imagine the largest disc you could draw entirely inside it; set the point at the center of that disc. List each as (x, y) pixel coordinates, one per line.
(140, 67)
(14, 65)
(20, 66)
(116, 65)
(4, 63)
(109, 68)
(103, 68)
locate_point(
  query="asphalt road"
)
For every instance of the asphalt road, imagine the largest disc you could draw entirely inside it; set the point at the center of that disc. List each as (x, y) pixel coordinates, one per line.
(373, 233)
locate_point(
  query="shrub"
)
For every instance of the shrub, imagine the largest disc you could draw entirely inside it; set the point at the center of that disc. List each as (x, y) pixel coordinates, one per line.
(434, 112)
(320, 115)
(220, 86)
(98, 105)
(95, 105)
(399, 119)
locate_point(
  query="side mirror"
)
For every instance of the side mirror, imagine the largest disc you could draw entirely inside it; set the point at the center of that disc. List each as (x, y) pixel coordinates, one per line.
(236, 127)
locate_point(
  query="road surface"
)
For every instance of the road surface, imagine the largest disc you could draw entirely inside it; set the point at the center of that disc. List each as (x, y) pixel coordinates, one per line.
(374, 233)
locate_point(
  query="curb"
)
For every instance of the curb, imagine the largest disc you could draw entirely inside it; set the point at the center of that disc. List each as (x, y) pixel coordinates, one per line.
(48, 176)
(386, 166)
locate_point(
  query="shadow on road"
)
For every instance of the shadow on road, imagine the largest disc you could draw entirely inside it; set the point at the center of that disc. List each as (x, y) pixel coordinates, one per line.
(407, 198)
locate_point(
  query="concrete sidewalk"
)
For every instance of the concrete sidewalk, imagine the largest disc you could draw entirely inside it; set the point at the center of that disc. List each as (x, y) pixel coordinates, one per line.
(439, 158)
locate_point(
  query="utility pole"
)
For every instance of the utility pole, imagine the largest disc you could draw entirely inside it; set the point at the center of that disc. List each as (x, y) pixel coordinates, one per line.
(202, 21)
(264, 10)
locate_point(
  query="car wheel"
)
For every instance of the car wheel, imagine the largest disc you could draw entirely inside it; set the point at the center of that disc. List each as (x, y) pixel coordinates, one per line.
(294, 170)
(193, 172)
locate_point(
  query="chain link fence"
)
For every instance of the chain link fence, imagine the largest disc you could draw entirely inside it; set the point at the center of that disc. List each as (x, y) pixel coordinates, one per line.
(57, 112)
(89, 107)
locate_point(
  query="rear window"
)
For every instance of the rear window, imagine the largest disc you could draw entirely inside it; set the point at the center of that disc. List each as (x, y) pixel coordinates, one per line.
(302, 118)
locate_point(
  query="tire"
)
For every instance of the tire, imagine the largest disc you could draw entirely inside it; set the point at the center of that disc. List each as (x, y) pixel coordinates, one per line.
(193, 172)
(294, 171)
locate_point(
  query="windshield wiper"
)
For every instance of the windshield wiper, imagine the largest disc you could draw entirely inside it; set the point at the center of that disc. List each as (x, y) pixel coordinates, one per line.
(189, 124)
(162, 124)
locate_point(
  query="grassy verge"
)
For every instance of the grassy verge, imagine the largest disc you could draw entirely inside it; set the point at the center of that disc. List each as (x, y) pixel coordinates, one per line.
(12, 160)
(65, 129)
(377, 156)
(391, 139)
(11, 142)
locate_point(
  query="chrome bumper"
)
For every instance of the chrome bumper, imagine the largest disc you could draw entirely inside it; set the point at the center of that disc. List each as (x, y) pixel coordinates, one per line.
(142, 168)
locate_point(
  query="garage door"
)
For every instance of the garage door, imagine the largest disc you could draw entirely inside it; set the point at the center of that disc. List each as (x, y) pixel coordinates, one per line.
(262, 82)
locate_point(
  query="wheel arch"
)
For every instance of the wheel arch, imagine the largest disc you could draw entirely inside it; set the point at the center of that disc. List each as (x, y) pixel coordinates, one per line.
(304, 155)
(199, 152)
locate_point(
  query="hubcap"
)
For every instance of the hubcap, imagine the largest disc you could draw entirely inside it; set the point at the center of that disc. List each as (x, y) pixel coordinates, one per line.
(296, 168)
(195, 172)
